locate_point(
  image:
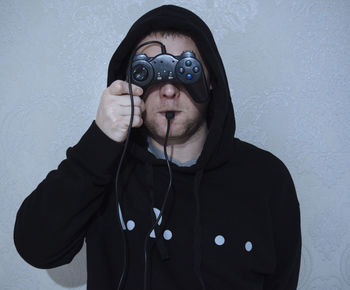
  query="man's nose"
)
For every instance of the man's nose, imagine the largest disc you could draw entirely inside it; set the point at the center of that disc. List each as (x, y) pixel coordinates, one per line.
(168, 90)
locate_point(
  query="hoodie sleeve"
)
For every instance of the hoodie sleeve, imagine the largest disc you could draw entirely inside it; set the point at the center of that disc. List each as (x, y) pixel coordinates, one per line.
(285, 213)
(52, 221)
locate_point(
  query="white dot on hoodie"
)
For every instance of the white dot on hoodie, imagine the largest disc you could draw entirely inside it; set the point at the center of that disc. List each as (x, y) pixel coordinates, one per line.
(130, 225)
(219, 240)
(167, 234)
(248, 246)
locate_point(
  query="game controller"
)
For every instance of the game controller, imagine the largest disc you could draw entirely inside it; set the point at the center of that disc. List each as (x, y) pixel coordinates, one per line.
(184, 69)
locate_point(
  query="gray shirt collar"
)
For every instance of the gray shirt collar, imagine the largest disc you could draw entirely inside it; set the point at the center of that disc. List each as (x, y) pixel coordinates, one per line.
(160, 155)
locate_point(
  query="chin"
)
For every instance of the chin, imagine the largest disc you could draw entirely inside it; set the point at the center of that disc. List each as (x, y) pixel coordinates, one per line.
(181, 127)
(177, 133)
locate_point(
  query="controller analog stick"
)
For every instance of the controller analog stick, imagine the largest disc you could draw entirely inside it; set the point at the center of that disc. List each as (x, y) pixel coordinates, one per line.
(140, 73)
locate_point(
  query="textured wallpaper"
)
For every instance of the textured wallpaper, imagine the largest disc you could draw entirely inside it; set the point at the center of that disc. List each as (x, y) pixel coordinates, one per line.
(288, 65)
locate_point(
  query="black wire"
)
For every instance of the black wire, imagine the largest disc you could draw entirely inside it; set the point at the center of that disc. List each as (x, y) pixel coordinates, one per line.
(121, 281)
(145, 276)
(128, 77)
(162, 46)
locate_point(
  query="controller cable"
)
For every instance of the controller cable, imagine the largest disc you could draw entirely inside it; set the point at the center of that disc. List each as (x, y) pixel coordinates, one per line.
(169, 115)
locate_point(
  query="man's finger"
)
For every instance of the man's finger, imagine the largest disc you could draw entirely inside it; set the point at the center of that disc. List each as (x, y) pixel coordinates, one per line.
(124, 101)
(137, 121)
(120, 87)
(143, 107)
(126, 111)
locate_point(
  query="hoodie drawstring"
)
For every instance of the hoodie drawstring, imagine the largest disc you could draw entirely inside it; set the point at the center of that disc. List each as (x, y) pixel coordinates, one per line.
(121, 214)
(157, 229)
(160, 243)
(197, 231)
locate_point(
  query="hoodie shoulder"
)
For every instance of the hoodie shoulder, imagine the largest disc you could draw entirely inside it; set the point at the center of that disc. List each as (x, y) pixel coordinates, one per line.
(253, 156)
(268, 167)
(249, 150)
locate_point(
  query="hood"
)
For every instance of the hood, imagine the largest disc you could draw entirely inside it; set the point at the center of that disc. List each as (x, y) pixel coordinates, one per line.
(220, 110)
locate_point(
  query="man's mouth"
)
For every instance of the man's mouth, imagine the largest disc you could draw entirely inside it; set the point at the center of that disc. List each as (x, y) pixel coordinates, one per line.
(164, 112)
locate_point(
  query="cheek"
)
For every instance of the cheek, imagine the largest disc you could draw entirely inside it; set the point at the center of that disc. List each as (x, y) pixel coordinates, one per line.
(151, 95)
(150, 110)
(150, 113)
(149, 104)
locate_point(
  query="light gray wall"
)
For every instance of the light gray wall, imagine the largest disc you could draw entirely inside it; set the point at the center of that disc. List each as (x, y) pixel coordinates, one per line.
(288, 66)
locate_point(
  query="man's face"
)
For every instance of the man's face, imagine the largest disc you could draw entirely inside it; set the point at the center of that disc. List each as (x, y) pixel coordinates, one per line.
(159, 98)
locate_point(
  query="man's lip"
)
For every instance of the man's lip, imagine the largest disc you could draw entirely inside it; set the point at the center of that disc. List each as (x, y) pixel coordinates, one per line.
(164, 112)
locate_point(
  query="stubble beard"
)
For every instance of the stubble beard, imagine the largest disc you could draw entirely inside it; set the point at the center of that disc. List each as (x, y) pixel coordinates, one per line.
(190, 127)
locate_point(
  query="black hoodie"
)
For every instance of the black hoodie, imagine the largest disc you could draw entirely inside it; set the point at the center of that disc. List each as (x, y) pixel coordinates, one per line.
(232, 220)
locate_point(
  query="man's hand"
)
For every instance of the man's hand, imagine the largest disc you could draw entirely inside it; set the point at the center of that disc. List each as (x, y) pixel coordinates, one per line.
(114, 111)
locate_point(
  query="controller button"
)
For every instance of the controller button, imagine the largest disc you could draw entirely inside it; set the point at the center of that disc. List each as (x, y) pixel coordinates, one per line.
(189, 77)
(196, 69)
(170, 76)
(181, 70)
(188, 63)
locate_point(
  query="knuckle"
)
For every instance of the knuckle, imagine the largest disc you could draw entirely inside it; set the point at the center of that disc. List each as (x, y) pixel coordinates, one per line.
(105, 93)
(143, 107)
(117, 82)
(123, 100)
(137, 90)
(137, 119)
(137, 110)
(137, 101)
(118, 85)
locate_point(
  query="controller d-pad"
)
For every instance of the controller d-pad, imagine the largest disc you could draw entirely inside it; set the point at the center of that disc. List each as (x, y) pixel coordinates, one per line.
(140, 73)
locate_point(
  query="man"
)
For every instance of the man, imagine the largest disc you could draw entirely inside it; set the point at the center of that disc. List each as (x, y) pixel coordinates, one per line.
(188, 129)
(232, 219)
